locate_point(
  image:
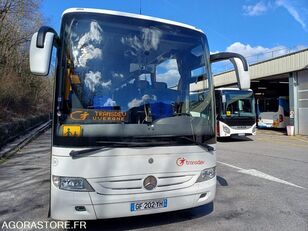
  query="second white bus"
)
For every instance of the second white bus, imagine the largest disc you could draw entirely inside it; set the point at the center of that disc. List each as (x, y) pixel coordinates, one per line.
(235, 110)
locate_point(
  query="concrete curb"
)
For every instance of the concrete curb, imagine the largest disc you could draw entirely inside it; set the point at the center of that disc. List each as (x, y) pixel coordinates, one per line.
(13, 147)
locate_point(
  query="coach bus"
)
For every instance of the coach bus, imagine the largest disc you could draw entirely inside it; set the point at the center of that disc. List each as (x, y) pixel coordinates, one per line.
(273, 112)
(235, 110)
(127, 137)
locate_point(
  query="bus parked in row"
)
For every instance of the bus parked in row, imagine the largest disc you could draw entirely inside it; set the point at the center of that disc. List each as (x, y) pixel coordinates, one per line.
(273, 112)
(128, 138)
(235, 110)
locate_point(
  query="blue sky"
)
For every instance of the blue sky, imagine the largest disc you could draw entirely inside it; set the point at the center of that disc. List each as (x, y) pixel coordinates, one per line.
(249, 27)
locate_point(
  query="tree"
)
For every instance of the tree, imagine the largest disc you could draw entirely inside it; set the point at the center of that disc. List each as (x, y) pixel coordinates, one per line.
(19, 19)
(20, 92)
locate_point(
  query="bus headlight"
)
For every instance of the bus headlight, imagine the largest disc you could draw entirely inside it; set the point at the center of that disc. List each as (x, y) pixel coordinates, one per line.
(207, 174)
(226, 129)
(77, 184)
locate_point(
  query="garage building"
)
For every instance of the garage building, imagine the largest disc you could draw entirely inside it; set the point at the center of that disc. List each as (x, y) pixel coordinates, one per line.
(285, 75)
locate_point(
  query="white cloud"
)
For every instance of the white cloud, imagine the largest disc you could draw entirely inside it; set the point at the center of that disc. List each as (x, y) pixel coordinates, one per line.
(293, 11)
(214, 52)
(300, 47)
(255, 54)
(94, 35)
(247, 50)
(257, 9)
(137, 102)
(94, 80)
(106, 84)
(296, 8)
(85, 50)
(133, 42)
(110, 102)
(117, 75)
(169, 64)
(171, 77)
(87, 53)
(150, 39)
(169, 73)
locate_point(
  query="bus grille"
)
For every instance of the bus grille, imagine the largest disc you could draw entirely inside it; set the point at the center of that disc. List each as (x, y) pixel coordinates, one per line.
(240, 127)
(126, 185)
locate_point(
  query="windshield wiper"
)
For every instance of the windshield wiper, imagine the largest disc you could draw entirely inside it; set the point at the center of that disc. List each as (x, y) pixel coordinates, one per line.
(111, 144)
(80, 153)
(89, 151)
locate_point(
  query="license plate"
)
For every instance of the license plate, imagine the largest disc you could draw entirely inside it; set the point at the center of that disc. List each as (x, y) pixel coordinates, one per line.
(241, 134)
(150, 204)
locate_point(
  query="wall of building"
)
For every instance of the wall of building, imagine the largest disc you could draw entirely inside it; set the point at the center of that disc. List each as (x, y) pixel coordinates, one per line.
(302, 102)
(276, 66)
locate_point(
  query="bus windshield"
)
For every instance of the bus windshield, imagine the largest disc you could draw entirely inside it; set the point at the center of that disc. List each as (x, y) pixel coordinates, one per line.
(267, 105)
(128, 79)
(237, 103)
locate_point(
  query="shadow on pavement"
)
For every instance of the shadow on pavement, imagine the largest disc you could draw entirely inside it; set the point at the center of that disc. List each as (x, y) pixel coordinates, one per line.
(233, 139)
(278, 131)
(222, 181)
(153, 220)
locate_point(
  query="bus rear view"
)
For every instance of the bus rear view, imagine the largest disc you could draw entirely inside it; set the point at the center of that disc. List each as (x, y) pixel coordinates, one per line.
(128, 138)
(273, 112)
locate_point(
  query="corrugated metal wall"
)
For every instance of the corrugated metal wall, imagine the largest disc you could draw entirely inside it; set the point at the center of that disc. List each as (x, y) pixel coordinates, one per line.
(303, 102)
(283, 64)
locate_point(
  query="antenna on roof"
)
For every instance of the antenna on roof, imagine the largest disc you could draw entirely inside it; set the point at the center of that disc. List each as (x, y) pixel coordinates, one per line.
(140, 7)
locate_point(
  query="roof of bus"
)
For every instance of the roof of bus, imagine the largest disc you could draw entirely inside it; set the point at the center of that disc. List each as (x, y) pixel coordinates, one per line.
(230, 88)
(118, 13)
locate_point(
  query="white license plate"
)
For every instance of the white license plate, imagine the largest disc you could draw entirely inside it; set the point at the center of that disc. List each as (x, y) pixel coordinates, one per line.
(150, 204)
(241, 134)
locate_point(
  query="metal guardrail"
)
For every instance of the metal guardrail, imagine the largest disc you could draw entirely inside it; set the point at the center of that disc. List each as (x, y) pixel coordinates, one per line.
(19, 143)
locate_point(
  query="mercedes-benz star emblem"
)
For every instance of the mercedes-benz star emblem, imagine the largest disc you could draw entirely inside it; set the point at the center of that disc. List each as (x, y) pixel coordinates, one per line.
(150, 182)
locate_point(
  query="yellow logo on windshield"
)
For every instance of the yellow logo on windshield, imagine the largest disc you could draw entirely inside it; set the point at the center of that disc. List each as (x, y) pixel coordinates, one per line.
(71, 130)
(79, 115)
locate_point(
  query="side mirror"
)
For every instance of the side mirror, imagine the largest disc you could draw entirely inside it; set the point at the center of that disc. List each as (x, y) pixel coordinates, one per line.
(41, 49)
(240, 66)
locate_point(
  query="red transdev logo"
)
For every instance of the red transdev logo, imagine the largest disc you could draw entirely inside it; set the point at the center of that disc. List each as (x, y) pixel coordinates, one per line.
(182, 161)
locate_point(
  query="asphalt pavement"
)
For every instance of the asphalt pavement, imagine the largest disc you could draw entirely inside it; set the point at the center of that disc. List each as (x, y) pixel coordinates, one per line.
(262, 185)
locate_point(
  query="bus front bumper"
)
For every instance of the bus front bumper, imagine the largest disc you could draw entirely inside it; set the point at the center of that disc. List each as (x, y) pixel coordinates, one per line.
(68, 205)
(227, 131)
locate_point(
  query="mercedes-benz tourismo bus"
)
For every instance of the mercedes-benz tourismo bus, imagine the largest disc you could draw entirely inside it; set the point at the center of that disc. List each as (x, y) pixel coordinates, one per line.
(127, 140)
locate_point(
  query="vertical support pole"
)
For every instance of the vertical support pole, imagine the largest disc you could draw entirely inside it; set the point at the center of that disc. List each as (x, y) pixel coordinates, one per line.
(293, 99)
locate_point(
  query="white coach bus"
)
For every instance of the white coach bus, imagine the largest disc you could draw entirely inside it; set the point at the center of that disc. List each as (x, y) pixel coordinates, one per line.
(236, 115)
(127, 138)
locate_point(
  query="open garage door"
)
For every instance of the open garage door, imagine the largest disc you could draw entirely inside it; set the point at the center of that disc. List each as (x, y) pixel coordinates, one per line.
(272, 97)
(303, 103)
